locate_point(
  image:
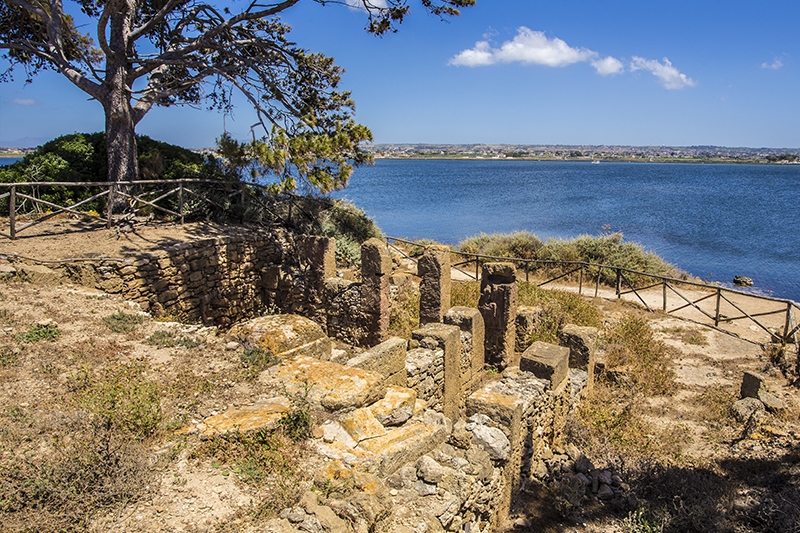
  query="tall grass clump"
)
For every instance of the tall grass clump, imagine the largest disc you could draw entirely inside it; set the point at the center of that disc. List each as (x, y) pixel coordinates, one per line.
(631, 348)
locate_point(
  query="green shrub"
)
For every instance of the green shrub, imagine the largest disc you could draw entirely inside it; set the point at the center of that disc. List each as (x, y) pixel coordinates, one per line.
(121, 322)
(632, 347)
(350, 226)
(257, 359)
(170, 339)
(123, 398)
(521, 244)
(39, 332)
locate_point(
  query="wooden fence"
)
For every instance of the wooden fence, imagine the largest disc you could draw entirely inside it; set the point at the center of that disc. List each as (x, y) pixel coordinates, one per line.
(711, 305)
(178, 198)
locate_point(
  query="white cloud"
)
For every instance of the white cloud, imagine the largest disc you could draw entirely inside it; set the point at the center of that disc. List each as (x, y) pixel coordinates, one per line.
(27, 102)
(527, 47)
(669, 76)
(775, 65)
(608, 65)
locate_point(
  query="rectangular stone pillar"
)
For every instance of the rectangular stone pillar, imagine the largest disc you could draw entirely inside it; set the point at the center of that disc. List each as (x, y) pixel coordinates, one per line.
(470, 322)
(498, 306)
(582, 344)
(318, 261)
(434, 287)
(376, 267)
(447, 338)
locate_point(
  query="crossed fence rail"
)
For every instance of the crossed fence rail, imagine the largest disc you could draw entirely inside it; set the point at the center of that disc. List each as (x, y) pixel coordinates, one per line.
(728, 305)
(179, 198)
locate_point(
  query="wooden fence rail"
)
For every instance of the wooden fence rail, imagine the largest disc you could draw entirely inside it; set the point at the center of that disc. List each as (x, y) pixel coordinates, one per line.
(138, 195)
(787, 332)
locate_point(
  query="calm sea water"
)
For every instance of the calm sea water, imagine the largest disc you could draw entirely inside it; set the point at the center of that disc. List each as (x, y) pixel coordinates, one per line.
(8, 160)
(713, 221)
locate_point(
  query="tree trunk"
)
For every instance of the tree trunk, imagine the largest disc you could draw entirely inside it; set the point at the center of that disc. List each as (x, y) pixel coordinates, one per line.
(120, 128)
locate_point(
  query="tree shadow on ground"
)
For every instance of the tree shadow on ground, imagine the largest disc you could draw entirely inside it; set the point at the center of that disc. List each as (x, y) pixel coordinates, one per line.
(733, 495)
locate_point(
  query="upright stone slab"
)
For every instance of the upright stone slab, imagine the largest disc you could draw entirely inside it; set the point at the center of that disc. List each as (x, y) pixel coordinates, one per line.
(526, 322)
(546, 361)
(448, 339)
(498, 306)
(582, 344)
(434, 287)
(470, 322)
(318, 258)
(376, 266)
(388, 358)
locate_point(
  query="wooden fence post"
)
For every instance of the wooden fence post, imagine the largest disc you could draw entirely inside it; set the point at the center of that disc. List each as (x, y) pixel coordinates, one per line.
(788, 327)
(110, 205)
(664, 295)
(12, 212)
(180, 200)
(580, 281)
(619, 283)
(716, 315)
(597, 282)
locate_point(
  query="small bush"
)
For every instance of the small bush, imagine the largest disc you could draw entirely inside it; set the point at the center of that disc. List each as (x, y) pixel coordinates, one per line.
(632, 347)
(350, 226)
(298, 422)
(123, 398)
(521, 244)
(171, 339)
(121, 322)
(264, 460)
(39, 332)
(8, 357)
(257, 359)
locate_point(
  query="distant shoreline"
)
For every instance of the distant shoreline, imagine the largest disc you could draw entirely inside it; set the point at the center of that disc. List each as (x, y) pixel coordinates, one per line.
(707, 161)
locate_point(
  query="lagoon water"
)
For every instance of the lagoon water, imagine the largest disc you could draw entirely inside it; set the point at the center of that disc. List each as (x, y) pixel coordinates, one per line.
(713, 221)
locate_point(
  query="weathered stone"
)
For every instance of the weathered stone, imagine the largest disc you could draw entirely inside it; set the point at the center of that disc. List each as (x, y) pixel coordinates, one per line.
(428, 470)
(264, 414)
(752, 384)
(326, 384)
(448, 339)
(361, 424)
(746, 408)
(493, 440)
(434, 286)
(388, 358)
(771, 402)
(546, 361)
(334, 432)
(37, 274)
(498, 306)
(376, 266)
(582, 344)
(525, 324)
(501, 408)
(7, 271)
(470, 322)
(329, 521)
(283, 336)
(408, 442)
(396, 407)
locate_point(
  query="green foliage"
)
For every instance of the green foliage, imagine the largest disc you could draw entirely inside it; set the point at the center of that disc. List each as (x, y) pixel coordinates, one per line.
(260, 459)
(257, 359)
(81, 157)
(608, 249)
(298, 422)
(8, 357)
(170, 339)
(39, 332)
(123, 398)
(519, 244)
(121, 322)
(350, 226)
(632, 347)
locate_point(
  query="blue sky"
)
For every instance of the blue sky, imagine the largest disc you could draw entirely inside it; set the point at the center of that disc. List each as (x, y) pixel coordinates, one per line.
(517, 72)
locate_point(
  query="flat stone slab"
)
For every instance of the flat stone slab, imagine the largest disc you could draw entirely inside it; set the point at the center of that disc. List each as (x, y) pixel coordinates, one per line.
(283, 336)
(396, 407)
(388, 358)
(264, 414)
(407, 443)
(361, 424)
(330, 385)
(502, 408)
(546, 361)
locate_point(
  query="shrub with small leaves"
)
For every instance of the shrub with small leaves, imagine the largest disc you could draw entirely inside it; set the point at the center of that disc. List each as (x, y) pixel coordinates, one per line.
(121, 322)
(39, 332)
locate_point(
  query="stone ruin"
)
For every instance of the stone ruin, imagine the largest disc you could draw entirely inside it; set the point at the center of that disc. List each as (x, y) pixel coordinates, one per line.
(418, 436)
